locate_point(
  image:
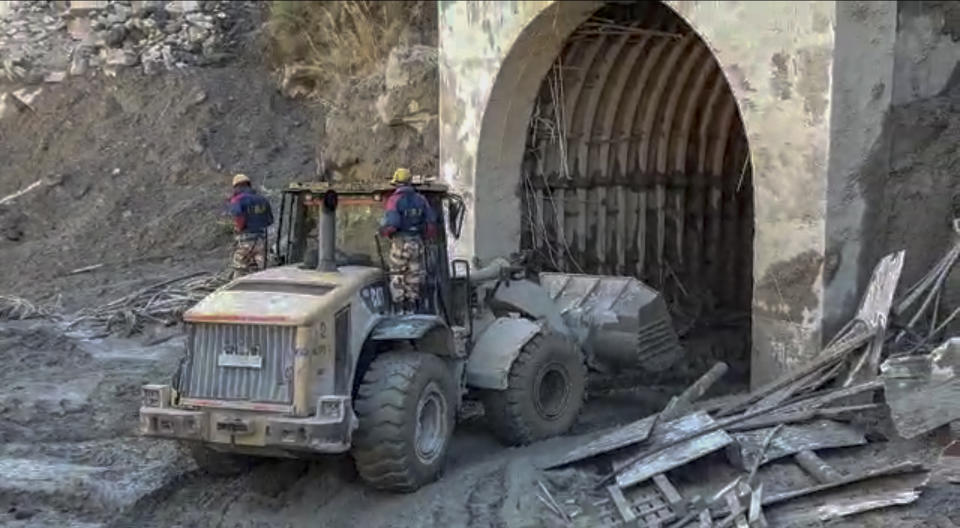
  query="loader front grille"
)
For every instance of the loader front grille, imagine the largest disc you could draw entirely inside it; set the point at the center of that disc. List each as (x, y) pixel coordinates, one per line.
(239, 362)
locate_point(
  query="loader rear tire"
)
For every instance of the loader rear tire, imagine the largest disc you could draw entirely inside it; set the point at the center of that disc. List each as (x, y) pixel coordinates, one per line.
(221, 464)
(405, 406)
(545, 391)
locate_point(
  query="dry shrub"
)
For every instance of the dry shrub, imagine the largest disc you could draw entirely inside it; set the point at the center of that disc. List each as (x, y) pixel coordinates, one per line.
(322, 43)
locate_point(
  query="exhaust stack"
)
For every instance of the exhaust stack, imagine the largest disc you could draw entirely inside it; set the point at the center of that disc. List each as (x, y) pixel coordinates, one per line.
(327, 233)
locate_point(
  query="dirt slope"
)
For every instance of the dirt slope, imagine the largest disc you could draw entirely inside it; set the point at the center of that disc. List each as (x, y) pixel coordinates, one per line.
(135, 170)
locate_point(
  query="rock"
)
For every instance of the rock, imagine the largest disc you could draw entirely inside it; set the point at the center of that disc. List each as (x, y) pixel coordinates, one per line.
(121, 11)
(24, 514)
(78, 64)
(85, 8)
(55, 77)
(172, 27)
(116, 36)
(182, 6)
(197, 35)
(410, 81)
(121, 57)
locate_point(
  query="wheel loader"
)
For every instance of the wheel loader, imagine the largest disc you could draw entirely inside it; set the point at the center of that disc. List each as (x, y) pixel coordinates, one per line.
(310, 356)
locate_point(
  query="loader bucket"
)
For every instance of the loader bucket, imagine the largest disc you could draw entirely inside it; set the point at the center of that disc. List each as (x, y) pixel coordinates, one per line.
(620, 322)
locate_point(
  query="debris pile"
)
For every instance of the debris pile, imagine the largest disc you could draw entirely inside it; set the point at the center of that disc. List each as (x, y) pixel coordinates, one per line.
(39, 42)
(161, 303)
(806, 410)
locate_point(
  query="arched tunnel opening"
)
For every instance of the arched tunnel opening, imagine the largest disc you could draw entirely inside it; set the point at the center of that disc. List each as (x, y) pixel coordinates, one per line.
(637, 163)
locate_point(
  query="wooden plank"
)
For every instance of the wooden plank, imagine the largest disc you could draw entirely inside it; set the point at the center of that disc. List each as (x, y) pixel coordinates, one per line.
(948, 464)
(806, 405)
(922, 391)
(809, 382)
(800, 416)
(816, 467)
(673, 444)
(705, 519)
(875, 309)
(755, 516)
(901, 470)
(670, 493)
(865, 496)
(620, 437)
(683, 403)
(736, 511)
(626, 512)
(792, 439)
(858, 335)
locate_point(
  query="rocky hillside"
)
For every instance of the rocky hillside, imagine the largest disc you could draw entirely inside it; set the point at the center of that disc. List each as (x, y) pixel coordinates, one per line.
(122, 122)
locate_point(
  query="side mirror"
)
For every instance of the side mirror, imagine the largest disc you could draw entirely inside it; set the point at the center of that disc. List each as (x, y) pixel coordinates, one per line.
(455, 220)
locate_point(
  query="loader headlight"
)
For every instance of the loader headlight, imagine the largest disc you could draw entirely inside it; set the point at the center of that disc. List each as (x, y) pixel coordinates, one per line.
(155, 396)
(330, 408)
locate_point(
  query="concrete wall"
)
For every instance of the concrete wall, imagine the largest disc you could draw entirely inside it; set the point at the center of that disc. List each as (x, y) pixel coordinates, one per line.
(893, 181)
(922, 186)
(475, 40)
(863, 87)
(777, 57)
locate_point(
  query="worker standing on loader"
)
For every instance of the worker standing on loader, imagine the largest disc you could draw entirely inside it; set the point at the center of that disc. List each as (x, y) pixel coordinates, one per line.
(252, 216)
(407, 220)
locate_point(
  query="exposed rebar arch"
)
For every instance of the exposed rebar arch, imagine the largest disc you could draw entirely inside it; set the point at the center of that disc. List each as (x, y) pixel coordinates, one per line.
(647, 175)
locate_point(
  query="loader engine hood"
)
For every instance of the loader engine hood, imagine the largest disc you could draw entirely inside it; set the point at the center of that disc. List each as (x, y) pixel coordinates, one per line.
(286, 295)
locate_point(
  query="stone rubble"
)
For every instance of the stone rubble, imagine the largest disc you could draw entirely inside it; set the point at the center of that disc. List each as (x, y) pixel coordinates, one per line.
(43, 41)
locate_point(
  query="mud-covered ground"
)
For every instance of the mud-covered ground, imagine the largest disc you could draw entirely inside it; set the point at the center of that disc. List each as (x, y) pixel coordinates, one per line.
(70, 456)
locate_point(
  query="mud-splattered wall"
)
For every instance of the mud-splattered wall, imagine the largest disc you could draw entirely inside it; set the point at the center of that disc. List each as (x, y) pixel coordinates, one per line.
(894, 162)
(777, 57)
(859, 148)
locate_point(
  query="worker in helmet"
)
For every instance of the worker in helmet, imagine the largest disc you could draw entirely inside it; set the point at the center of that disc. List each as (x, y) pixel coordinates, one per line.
(408, 219)
(252, 216)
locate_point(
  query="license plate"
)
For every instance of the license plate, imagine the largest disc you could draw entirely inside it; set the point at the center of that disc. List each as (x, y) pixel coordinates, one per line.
(240, 361)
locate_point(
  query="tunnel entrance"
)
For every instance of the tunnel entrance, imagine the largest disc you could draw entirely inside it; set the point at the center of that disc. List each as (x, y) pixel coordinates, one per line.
(637, 163)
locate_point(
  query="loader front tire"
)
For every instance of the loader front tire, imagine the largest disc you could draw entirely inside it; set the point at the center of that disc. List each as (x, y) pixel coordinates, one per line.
(405, 405)
(545, 391)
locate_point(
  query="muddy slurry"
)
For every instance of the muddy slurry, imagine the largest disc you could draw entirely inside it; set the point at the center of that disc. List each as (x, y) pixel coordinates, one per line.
(70, 456)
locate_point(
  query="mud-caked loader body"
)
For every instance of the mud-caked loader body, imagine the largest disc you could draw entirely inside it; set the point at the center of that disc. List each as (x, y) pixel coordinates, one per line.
(311, 357)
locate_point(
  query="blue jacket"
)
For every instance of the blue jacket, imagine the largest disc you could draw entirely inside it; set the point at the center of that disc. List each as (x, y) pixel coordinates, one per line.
(251, 212)
(408, 212)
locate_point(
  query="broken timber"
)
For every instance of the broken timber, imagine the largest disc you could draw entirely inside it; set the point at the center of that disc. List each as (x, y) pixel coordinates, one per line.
(621, 437)
(922, 391)
(683, 403)
(899, 469)
(674, 444)
(639, 430)
(816, 467)
(793, 439)
(834, 501)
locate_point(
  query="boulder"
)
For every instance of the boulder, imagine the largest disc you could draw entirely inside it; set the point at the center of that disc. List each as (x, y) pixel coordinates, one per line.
(115, 36)
(178, 7)
(410, 81)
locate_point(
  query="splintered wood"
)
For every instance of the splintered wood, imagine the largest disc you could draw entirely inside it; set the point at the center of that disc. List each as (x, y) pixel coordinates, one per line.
(670, 447)
(627, 435)
(922, 391)
(791, 417)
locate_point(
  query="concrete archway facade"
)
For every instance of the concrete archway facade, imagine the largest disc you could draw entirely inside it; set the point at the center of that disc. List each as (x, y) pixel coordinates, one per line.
(777, 59)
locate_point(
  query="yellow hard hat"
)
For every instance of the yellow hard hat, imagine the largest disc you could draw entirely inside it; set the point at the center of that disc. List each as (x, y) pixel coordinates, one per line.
(401, 176)
(240, 178)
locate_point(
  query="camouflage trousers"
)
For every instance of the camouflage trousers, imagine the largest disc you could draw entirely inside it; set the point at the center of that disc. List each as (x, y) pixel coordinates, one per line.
(406, 269)
(249, 255)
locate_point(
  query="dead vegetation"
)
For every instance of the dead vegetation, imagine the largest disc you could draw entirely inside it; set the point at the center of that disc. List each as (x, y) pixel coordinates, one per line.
(318, 45)
(160, 303)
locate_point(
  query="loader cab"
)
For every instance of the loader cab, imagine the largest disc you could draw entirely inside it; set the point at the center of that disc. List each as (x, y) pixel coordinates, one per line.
(358, 212)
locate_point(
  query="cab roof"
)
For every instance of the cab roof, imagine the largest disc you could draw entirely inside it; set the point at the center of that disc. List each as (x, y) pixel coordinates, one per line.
(361, 187)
